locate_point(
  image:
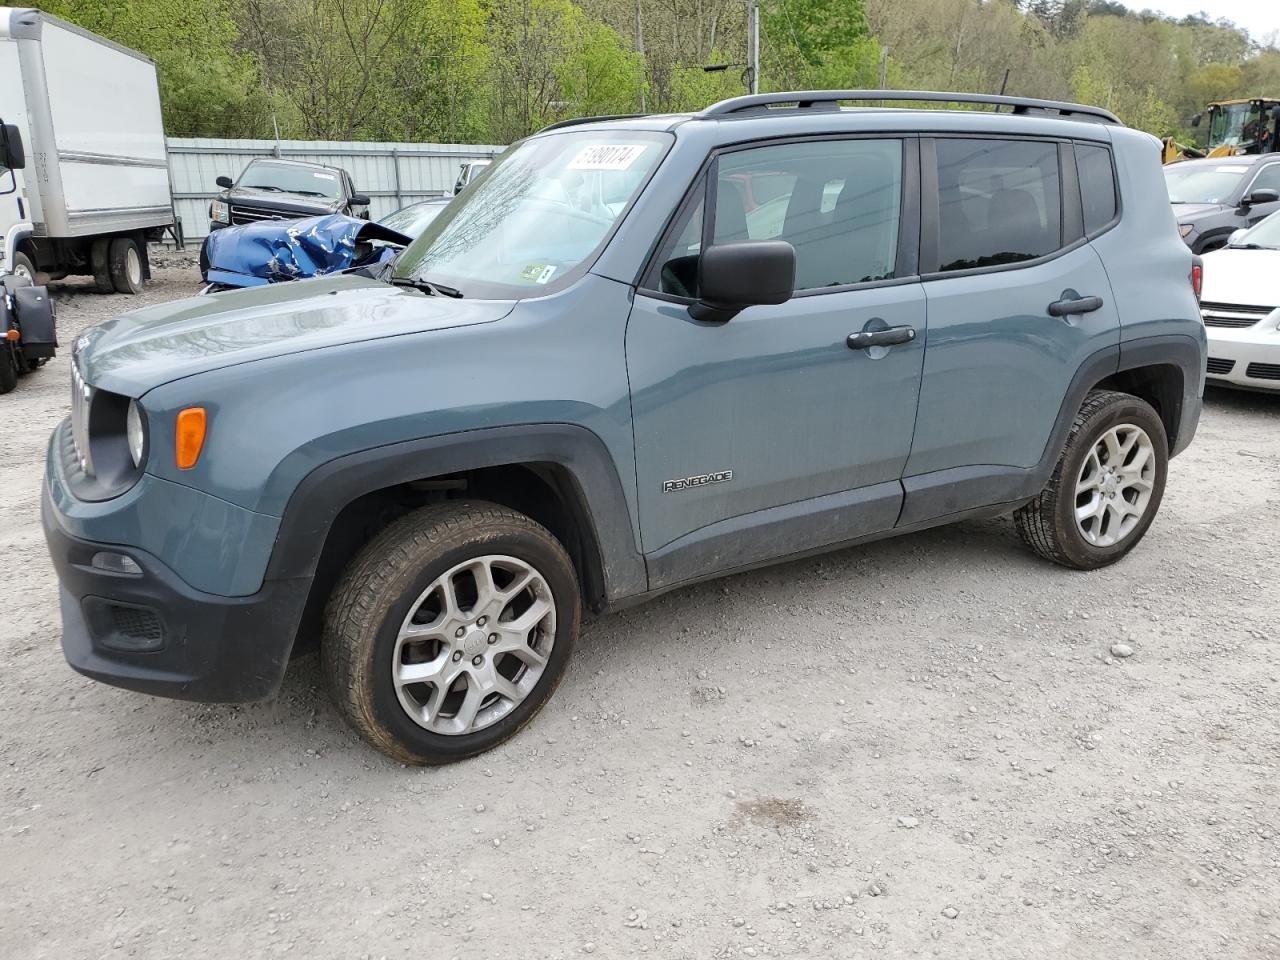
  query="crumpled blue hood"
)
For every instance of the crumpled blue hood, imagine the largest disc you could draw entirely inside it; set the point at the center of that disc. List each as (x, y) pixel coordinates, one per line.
(274, 250)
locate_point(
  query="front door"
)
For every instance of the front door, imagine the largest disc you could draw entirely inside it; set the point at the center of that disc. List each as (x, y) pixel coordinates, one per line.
(770, 434)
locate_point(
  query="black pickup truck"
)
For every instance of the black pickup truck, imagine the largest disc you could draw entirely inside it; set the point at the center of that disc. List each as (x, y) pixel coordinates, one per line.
(271, 189)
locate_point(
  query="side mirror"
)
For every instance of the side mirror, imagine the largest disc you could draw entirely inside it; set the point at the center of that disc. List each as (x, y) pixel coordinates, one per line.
(15, 157)
(359, 200)
(734, 276)
(1195, 121)
(226, 183)
(1264, 195)
(1236, 236)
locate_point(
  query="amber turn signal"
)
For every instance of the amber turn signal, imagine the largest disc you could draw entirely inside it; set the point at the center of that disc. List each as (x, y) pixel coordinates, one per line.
(190, 439)
(11, 334)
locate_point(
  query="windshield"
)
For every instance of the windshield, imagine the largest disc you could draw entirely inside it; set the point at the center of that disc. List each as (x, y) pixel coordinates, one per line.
(286, 178)
(1211, 183)
(413, 219)
(1265, 234)
(536, 215)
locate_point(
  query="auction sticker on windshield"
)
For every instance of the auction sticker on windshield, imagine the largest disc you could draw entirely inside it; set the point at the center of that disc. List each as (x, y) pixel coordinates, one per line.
(607, 156)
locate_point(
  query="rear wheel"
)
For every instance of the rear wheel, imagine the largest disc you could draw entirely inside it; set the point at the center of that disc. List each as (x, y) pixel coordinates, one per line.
(1106, 488)
(450, 630)
(126, 265)
(23, 267)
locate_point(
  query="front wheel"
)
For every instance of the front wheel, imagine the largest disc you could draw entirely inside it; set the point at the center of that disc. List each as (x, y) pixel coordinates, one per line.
(1106, 488)
(450, 630)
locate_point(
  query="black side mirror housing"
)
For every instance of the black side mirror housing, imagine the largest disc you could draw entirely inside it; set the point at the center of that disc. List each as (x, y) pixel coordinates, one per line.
(1195, 121)
(359, 200)
(1263, 195)
(226, 183)
(15, 156)
(734, 276)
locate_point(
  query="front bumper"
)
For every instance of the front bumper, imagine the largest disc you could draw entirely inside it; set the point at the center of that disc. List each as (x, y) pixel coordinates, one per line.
(155, 634)
(1247, 358)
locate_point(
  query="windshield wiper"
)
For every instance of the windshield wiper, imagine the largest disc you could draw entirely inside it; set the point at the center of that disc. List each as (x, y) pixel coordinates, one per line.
(426, 286)
(261, 186)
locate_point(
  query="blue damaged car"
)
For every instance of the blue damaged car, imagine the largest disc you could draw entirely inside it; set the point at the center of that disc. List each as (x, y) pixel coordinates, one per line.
(635, 354)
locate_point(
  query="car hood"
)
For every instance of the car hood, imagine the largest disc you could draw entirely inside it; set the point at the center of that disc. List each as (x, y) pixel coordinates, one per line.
(1245, 277)
(142, 349)
(1188, 212)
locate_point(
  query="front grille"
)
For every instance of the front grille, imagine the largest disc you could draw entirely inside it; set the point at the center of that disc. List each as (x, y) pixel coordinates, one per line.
(1232, 315)
(1218, 365)
(135, 623)
(1263, 371)
(81, 398)
(242, 215)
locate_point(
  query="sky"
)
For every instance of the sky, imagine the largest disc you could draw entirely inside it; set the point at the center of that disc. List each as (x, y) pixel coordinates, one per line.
(1260, 17)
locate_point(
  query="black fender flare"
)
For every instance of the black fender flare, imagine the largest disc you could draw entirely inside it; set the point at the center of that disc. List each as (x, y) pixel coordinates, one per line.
(602, 503)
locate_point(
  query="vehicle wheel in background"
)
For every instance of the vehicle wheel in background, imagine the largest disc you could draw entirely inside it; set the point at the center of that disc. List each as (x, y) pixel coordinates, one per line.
(126, 265)
(23, 267)
(1106, 488)
(449, 630)
(100, 264)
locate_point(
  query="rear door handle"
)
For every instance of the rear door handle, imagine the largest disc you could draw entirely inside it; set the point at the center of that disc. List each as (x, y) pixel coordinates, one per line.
(1067, 308)
(880, 338)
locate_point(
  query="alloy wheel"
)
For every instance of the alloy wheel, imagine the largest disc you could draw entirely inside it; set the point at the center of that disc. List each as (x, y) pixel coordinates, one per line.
(1115, 483)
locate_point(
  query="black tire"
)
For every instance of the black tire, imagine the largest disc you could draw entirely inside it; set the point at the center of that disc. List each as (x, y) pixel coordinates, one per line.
(22, 266)
(126, 265)
(1048, 523)
(100, 264)
(8, 367)
(378, 591)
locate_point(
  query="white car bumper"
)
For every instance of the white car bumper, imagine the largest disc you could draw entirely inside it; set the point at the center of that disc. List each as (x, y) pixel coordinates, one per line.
(1245, 357)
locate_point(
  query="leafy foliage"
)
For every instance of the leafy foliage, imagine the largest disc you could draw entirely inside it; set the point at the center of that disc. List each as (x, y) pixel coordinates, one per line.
(495, 70)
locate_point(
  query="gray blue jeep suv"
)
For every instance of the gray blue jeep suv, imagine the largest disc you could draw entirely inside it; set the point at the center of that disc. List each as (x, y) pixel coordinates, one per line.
(635, 354)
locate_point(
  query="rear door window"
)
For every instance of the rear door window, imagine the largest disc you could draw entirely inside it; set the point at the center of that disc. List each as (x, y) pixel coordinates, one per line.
(1097, 185)
(999, 202)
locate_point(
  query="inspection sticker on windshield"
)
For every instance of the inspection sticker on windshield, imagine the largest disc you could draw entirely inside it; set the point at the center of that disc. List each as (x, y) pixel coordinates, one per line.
(607, 156)
(537, 272)
(325, 176)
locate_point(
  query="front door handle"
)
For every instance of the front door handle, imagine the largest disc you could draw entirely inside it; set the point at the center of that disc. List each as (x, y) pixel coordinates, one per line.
(1074, 305)
(880, 338)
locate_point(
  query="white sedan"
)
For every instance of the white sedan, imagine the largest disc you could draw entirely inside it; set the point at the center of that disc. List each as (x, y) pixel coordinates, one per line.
(1241, 308)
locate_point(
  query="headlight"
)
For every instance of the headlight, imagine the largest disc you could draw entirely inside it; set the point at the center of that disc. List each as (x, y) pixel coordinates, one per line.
(1184, 229)
(136, 432)
(219, 212)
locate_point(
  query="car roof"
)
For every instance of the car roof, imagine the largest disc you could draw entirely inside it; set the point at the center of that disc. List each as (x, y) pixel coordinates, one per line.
(292, 163)
(1244, 161)
(806, 113)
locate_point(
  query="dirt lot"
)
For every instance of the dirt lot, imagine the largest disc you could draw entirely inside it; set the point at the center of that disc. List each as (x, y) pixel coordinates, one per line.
(919, 748)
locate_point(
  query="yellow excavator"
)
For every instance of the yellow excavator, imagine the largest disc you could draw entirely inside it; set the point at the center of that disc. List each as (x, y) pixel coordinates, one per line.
(1236, 127)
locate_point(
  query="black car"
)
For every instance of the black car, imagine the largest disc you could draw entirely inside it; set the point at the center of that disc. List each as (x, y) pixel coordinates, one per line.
(1213, 198)
(271, 189)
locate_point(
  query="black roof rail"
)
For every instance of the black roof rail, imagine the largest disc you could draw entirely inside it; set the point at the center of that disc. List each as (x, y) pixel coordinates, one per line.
(573, 122)
(830, 100)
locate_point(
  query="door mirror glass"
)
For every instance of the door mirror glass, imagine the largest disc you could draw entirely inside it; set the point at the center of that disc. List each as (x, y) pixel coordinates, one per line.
(14, 156)
(226, 183)
(734, 276)
(1263, 195)
(1195, 121)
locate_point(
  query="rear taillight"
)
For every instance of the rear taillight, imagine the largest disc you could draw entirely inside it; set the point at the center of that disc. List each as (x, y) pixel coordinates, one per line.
(1197, 278)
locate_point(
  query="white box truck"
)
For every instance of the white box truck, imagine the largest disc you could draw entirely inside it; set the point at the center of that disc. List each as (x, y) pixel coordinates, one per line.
(85, 181)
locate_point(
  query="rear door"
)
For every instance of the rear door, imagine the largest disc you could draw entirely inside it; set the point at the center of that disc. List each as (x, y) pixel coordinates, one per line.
(768, 434)
(999, 246)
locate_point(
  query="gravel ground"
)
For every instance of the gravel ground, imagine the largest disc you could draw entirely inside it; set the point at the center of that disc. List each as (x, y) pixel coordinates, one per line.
(922, 747)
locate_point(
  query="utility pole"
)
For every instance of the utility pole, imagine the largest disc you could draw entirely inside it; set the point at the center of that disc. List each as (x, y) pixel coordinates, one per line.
(884, 66)
(753, 46)
(640, 50)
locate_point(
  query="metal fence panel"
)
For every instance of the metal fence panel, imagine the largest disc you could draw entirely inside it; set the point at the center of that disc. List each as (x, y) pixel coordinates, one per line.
(392, 174)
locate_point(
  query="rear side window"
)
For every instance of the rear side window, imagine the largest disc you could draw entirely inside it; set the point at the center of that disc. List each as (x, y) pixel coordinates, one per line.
(999, 201)
(1267, 179)
(1097, 186)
